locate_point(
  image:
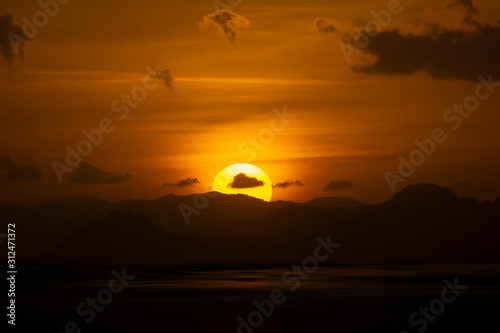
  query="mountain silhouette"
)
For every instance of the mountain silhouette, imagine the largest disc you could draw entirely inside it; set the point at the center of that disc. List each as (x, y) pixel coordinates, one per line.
(333, 202)
(423, 223)
(121, 237)
(423, 195)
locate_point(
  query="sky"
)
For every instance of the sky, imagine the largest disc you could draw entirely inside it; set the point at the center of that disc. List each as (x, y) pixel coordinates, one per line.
(268, 83)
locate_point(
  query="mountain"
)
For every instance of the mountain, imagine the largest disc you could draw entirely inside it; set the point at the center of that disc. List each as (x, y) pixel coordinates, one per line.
(423, 195)
(42, 226)
(121, 237)
(423, 223)
(45, 224)
(333, 202)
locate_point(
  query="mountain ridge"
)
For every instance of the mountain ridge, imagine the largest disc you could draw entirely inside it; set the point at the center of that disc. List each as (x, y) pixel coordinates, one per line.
(423, 223)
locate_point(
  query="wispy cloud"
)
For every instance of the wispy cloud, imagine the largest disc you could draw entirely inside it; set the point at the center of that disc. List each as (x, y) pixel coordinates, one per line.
(325, 25)
(86, 173)
(288, 183)
(470, 11)
(12, 39)
(184, 182)
(164, 76)
(227, 22)
(338, 185)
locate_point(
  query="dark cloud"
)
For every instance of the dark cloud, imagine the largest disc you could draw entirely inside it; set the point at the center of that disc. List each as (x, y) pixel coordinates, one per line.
(241, 180)
(470, 11)
(86, 173)
(12, 39)
(6, 163)
(338, 185)
(164, 76)
(228, 22)
(183, 183)
(464, 52)
(326, 25)
(447, 54)
(288, 183)
(27, 173)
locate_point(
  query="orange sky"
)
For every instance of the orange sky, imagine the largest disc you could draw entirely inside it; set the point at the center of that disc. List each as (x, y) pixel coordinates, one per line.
(348, 125)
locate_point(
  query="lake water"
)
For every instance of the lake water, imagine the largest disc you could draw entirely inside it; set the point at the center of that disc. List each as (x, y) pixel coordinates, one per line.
(210, 298)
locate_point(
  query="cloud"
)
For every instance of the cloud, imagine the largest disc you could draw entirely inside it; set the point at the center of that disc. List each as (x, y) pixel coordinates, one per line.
(6, 163)
(86, 173)
(15, 173)
(227, 22)
(326, 25)
(184, 182)
(27, 173)
(470, 11)
(164, 76)
(241, 180)
(449, 54)
(12, 39)
(338, 185)
(288, 183)
(463, 52)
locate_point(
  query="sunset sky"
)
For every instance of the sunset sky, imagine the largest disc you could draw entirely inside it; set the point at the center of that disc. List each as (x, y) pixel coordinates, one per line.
(348, 121)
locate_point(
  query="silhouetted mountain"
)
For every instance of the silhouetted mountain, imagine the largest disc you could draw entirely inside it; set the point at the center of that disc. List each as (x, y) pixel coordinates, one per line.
(423, 195)
(121, 237)
(422, 224)
(220, 210)
(333, 202)
(40, 227)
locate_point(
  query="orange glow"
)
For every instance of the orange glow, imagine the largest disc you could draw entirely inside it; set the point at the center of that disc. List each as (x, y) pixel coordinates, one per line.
(224, 178)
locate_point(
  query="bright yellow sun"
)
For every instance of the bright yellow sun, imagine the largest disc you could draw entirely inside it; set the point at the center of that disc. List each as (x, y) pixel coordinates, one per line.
(244, 178)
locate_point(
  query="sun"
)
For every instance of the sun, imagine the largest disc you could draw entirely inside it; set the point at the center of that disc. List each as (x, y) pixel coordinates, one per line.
(244, 178)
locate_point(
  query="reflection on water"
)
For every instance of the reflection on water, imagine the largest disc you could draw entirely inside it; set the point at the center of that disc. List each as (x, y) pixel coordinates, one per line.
(338, 279)
(190, 298)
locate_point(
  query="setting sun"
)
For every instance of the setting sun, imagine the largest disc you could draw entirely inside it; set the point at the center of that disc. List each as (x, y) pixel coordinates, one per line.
(244, 178)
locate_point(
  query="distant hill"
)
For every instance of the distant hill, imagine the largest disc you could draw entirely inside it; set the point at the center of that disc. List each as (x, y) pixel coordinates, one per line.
(121, 237)
(423, 223)
(333, 202)
(42, 226)
(423, 195)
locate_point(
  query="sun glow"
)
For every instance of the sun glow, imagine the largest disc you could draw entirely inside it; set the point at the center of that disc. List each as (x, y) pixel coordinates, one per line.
(244, 178)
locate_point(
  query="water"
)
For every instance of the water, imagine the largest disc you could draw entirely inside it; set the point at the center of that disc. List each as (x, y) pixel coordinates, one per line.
(210, 298)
